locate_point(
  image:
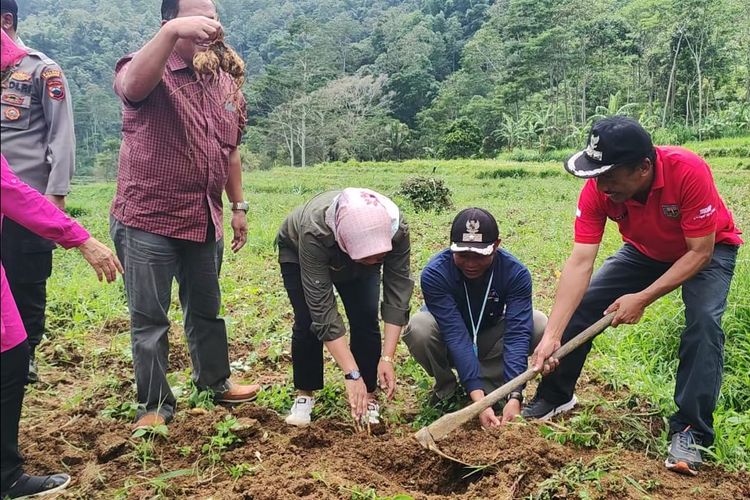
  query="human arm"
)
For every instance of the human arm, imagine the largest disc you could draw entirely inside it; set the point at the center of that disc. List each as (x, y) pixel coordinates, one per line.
(519, 321)
(698, 201)
(573, 283)
(386, 373)
(398, 286)
(327, 323)
(143, 73)
(54, 95)
(356, 390)
(233, 189)
(32, 210)
(630, 307)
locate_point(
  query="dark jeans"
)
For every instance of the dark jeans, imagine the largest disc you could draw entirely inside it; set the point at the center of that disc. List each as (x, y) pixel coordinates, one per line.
(151, 263)
(360, 297)
(27, 259)
(14, 368)
(701, 350)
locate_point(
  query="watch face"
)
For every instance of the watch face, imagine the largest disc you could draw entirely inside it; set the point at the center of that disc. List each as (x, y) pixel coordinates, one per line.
(352, 375)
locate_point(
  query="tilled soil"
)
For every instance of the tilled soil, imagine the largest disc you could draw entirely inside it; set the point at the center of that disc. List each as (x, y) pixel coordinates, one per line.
(330, 460)
(63, 430)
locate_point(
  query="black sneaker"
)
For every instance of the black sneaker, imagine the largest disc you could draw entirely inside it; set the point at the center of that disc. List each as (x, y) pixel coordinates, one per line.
(33, 376)
(684, 456)
(37, 486)
(540, 409)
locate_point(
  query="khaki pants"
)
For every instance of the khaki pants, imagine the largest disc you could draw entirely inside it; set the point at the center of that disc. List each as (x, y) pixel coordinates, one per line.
(425, 343)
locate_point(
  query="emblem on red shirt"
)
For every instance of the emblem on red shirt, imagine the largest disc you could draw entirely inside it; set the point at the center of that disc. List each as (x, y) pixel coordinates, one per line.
(55, 89)
(672, 211)
(12, 114)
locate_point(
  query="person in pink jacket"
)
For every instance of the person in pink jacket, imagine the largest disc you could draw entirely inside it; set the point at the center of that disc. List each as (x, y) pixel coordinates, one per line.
(27, 207)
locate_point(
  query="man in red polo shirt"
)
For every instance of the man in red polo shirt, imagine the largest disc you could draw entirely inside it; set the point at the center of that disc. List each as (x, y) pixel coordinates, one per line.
(677, 232)
(178, 153)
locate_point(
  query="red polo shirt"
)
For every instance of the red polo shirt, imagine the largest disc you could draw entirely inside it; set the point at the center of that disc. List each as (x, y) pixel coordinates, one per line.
(683, 203)
(174, 157)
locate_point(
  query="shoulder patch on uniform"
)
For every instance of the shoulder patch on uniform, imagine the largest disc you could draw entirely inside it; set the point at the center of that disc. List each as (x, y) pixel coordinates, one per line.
(51, 73)
(56, 89)
(20, 76)
(12, 114)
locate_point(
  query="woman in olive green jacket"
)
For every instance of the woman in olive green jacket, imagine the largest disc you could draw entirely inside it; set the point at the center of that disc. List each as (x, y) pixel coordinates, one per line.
(342, 239)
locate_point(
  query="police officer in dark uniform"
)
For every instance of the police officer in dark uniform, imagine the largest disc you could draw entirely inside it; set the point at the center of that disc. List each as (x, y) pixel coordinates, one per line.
(39, 143)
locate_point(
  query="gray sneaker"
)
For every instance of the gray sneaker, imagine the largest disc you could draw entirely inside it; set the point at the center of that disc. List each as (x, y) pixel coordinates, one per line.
(540, 409)
(684, 456)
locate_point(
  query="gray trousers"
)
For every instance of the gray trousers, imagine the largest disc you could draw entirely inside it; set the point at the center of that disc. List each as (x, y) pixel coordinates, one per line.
(422, 337)
(151, 262)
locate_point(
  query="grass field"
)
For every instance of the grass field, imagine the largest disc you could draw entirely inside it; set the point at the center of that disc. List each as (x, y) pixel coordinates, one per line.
(630, 377)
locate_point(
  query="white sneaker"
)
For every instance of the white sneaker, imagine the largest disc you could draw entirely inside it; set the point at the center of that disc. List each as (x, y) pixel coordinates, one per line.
(373, 413)
(300, 412)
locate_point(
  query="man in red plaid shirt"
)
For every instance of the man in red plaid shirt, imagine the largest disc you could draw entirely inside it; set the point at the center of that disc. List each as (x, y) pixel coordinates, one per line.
(178, 153)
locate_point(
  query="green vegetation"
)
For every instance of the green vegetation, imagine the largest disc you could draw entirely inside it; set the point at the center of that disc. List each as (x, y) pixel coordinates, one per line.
(535, 214)
(332, 80)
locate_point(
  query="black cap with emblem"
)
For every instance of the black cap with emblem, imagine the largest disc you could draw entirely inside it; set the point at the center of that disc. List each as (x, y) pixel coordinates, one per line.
(613, 141)
(474, 230)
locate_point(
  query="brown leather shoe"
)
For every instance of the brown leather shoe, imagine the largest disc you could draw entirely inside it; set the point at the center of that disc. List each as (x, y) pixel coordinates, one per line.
(150, 419)
(238, 393)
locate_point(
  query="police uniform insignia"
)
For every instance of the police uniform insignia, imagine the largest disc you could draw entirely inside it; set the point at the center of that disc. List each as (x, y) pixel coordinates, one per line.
(20, 76)
(55, 89)
(671, 211)
(51, 73)
(15, 99)
(12, 114)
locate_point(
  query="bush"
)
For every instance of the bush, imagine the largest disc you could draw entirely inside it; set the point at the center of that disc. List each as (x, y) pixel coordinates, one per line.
(426, 193)
(463, 139)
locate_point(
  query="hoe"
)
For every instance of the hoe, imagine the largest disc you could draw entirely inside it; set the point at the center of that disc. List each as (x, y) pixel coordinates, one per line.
(440, 428)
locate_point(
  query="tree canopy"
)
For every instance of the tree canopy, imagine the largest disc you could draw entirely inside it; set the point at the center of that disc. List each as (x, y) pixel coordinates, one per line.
(386, 79)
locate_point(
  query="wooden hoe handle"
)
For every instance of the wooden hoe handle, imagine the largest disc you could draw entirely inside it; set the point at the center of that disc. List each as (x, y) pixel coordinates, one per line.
(450, 422)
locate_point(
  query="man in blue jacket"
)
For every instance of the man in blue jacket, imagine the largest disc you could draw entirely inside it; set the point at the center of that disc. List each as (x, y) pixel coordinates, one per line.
(478, 316)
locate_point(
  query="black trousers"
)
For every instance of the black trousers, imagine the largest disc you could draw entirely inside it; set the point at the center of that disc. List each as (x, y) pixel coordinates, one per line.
(14, 368)
(701, 350)
(27, 259)
(360, 297)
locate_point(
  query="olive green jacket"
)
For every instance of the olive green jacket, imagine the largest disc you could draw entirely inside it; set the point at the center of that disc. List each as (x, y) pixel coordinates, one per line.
(305, 239)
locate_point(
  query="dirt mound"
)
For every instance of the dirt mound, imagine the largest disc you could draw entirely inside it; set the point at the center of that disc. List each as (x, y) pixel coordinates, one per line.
(330, 460)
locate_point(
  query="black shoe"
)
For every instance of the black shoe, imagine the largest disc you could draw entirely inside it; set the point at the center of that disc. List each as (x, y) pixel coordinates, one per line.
(684, 456)
(33, 376)
(37, 486)
(540, 409)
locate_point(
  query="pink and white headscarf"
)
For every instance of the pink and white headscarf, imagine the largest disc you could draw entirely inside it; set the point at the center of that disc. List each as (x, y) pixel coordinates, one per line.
(10, 53)
(363, 222)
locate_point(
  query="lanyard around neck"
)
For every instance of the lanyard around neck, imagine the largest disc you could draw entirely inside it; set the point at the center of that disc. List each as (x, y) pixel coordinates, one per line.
(475, 326)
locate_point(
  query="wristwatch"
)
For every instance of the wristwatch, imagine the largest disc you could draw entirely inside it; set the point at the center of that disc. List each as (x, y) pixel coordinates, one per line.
(353, 375)
(515, 395)
(240, 205)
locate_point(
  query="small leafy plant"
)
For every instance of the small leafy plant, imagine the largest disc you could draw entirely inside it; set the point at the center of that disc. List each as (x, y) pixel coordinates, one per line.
(427, 193)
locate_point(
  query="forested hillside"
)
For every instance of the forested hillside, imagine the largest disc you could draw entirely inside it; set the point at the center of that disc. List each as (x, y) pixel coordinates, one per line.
(383, 79)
